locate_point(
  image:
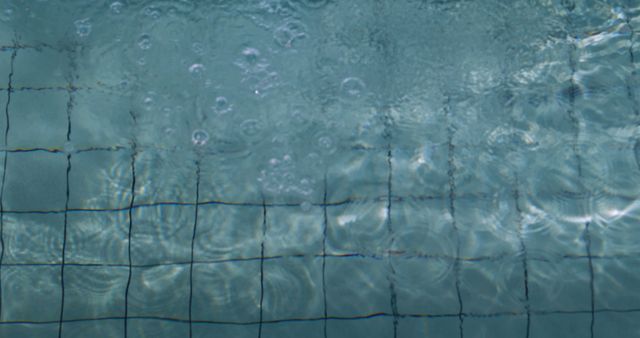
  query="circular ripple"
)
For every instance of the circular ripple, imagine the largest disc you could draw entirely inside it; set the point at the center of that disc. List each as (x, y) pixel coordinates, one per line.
(153, 290)
(287, 280)
(552, 187)
(352, 87)
(289, 32)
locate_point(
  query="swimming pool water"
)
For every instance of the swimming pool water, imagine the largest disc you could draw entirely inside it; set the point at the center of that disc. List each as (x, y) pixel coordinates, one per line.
(319, 168)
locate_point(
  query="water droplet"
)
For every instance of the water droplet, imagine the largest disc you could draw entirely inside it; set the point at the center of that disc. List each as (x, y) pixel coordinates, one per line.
(251, 55)
(148, 102)
(196, 68)
(83, 27)
(305, 206)
(222, 105)
(116, 7)
(142, 61)
(199, 137)
(123, 85)
(251, 127)
(144, 42)
(352, 87)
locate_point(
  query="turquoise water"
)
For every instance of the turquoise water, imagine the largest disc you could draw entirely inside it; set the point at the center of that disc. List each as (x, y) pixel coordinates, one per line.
(320, 168)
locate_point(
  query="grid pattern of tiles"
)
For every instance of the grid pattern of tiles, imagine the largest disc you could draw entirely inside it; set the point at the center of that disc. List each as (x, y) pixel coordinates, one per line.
(126, 310)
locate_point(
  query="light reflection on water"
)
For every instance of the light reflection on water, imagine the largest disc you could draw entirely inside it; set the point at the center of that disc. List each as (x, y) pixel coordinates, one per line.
(436, 144)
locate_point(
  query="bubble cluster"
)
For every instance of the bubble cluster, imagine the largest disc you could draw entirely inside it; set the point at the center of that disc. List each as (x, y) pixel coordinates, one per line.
(257, 73)
(281, 177)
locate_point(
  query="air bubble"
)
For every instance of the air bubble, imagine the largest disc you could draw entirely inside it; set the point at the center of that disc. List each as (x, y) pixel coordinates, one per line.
(147, 102)
(251, 55)
(199, 137)
(116, 7)
(196, 68)
(222, 105)
(352, 87)
(83, 27)
(144, 42)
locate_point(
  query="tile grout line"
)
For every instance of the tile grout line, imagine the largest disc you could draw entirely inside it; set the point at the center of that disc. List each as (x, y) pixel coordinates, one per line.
(193, 241)
(525, 258)
(452, 210)
(576, 122)
(383, 150)
(387, 52)
(333, 256)
(587, 237)
(4, 171)
(350, 200)
(130, 214)
(324, 256)
(264, 235)
(632, 61)
(630, 84)
(333, 318)
(70, 105)
(392, 288)
(516, 199)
